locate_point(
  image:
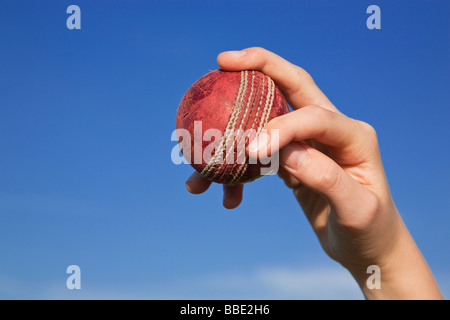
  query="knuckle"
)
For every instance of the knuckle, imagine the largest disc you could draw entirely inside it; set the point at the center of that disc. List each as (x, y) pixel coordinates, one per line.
(259, 51)
(261, 59)
(317, 113)
(314, 110)
(368, 130)
(329, 178)
(303, 74)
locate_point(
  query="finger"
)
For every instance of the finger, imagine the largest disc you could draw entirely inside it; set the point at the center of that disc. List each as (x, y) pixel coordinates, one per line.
(196, 184)
(333, 129)
(324, 176)
(232, 196)
(296, 83)
(314, 122)
(289, 180)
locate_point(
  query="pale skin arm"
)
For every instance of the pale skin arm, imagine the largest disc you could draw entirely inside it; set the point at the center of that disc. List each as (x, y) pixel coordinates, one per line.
(333, 165)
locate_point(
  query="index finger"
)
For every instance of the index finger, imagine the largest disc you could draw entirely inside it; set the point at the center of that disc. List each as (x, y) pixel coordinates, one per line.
(298, 86)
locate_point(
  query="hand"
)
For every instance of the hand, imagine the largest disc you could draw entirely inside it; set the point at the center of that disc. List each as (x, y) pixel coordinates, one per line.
(334, 167)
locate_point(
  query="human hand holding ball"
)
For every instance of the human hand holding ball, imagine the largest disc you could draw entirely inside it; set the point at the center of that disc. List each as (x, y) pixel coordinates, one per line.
(333, 165)
(219, 115)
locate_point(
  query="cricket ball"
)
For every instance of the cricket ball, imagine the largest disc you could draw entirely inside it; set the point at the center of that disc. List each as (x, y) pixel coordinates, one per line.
(219, 115)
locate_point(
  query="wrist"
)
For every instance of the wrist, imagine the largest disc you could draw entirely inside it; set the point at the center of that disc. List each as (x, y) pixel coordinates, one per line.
(402, 272)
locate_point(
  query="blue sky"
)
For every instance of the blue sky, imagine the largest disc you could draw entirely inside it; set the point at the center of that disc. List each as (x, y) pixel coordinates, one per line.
(86, 117)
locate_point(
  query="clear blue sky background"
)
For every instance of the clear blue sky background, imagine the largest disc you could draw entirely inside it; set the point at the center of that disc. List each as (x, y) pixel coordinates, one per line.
(86, 117)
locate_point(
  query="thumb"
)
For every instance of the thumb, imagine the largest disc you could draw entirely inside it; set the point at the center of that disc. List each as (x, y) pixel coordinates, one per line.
(321, 174)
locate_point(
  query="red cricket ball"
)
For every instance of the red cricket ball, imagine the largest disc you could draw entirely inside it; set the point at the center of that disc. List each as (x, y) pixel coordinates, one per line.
(219, 115)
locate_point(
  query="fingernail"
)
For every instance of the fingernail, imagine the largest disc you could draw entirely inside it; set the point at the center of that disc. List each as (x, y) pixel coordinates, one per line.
(293, 155)
(188, 187)
(189, 182)
(236, 54)
(258, 144)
